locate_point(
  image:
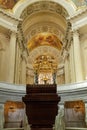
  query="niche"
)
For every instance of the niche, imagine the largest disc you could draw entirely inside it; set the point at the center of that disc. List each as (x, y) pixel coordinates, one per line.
(14, 114)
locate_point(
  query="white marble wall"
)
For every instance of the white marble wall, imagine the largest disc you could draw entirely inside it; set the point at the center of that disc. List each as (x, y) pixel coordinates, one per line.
(68, 92)
(1, 115)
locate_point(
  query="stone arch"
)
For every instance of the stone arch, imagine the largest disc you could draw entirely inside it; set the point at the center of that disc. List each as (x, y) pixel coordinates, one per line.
(20, 6)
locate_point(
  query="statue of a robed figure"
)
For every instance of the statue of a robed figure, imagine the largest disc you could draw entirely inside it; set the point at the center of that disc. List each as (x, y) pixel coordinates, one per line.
(41, 106)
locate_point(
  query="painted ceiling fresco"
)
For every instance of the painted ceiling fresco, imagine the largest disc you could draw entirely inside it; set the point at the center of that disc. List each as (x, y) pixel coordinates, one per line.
(80, 3)
(9, 4)
(44, 39)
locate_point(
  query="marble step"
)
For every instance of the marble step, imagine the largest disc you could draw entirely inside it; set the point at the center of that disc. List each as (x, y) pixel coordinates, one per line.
(13, 129)
(75, 128)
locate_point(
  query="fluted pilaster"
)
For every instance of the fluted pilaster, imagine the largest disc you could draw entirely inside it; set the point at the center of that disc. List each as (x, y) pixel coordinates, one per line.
(77, 57)
(72, 64)
(23, 67)
(11, 62)
(66, 67)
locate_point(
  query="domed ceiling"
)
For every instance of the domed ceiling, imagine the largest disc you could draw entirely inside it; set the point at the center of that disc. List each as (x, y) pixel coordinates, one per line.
(44, 25)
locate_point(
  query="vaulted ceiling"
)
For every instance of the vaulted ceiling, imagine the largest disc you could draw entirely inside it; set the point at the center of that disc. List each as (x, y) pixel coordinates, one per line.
(44, 24)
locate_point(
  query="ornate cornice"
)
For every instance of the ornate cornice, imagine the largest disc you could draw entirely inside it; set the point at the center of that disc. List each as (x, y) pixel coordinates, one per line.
(45, 27)
(44, 6)
(78, 14)
(74, 91)
(8, 21)
(9, 16)
(11, 92)
(78, 20)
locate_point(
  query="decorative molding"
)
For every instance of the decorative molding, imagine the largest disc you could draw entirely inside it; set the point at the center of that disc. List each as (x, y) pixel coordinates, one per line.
(44, 50)
(44, 6)
(72, 92)
(67, 41)
(8, 21)
(45, 27)
(21, 38)
(68, 92)
(7, 14)
(78, 14)
(79, 19)
(66, 38)
(11, 92)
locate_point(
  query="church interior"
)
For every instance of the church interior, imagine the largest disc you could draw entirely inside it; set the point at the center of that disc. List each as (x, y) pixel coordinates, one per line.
(43, 42)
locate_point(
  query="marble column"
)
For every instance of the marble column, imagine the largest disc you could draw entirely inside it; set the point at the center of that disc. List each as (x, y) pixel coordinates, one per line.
(86, 113)
(77, 57)
(67, 69)
(72, 64)
(23, 68)
(17, 64)
(59, 120)
(4, 43)
(2, 65)
(11, 62)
